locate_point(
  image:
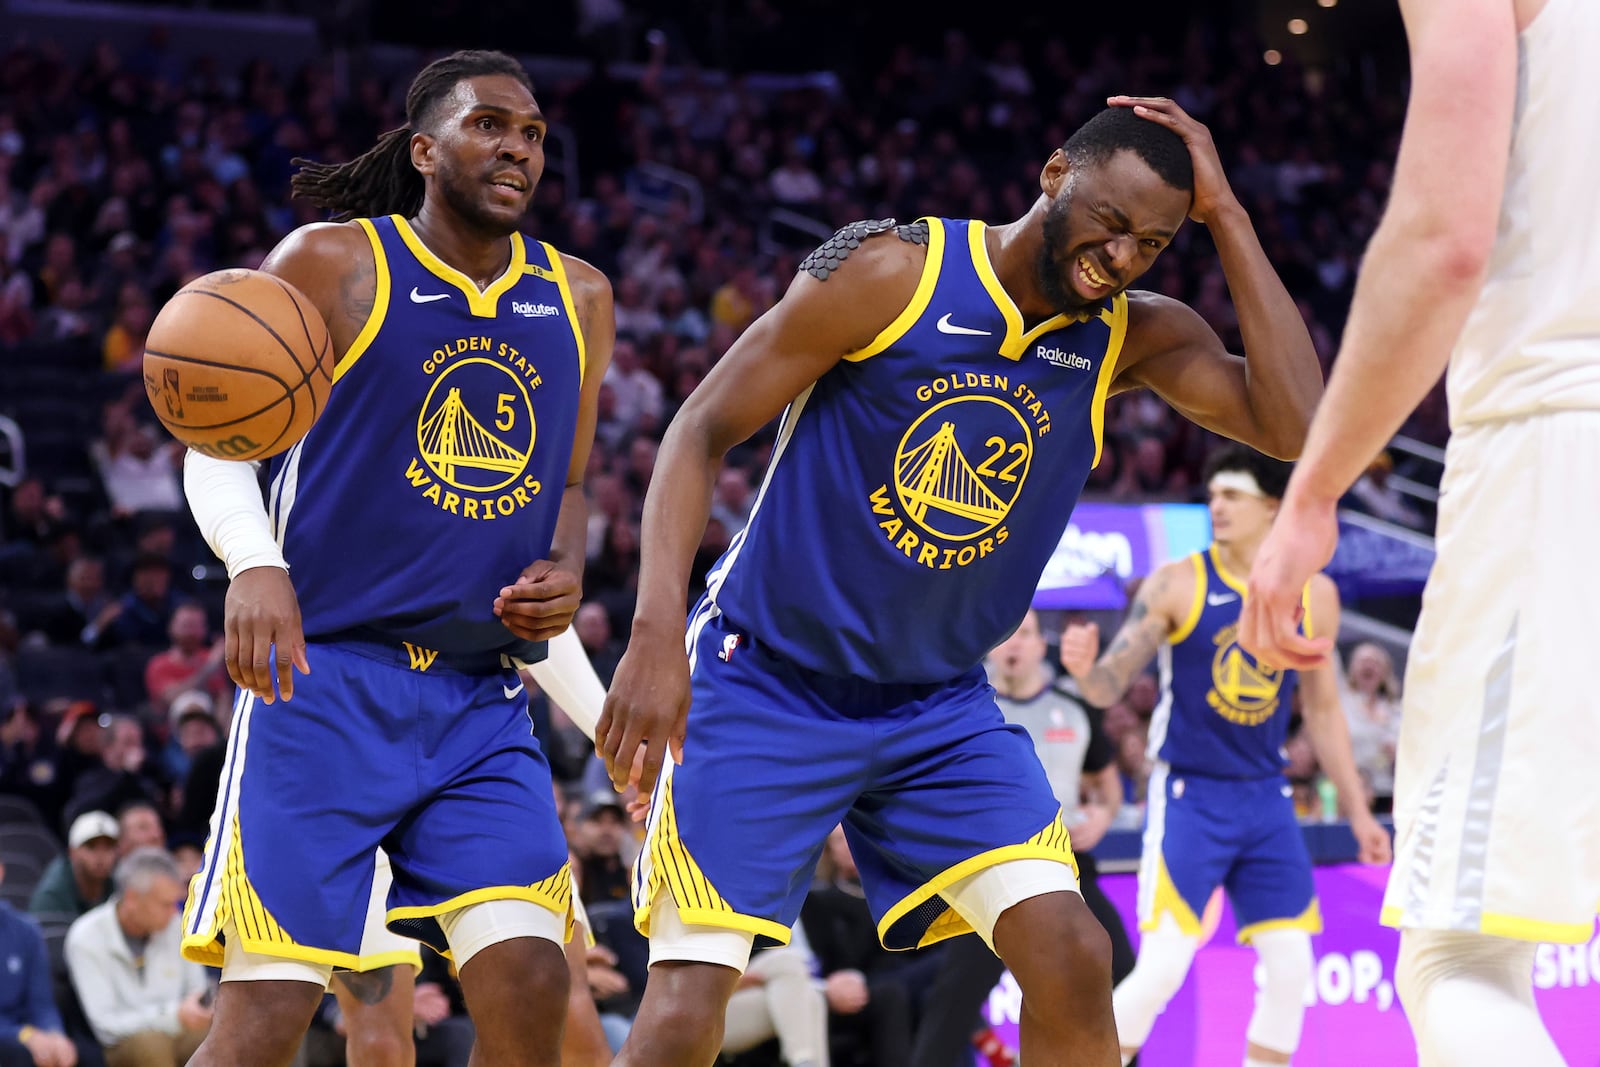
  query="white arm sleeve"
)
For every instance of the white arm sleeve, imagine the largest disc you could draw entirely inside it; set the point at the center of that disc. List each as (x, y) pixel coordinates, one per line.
(568, 679)
(227, 506)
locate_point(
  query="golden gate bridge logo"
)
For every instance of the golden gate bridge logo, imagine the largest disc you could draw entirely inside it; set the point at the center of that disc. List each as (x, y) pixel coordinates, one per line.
(479, 455)
(1242, 690)
(941, 488)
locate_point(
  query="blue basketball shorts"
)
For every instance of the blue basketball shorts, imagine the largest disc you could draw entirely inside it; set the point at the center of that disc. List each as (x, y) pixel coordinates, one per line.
(1241, 834)
(930, 782)
(382, 745)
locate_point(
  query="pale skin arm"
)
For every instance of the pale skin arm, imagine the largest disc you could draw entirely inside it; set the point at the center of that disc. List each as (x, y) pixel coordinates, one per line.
(1156, 613)
(1330, 734)
(1422, 272)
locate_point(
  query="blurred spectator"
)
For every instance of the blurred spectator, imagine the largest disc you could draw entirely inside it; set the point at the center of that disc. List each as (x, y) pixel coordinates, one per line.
(1371, 696)
(604, 873)
(84, 613)
(637, 393)
(141, 473)
(731, 499)
(593, 626)
(194, 730)
(637, 319)
(147, 1005)
(444, 1030)
(27, 762)
(139, 826)
(80, 880)
(121, 777)
(867, 1004)
(148, 606)
(1134, 765)
(1374, 494)
(31, 1034)
(188, 663)
(775, 998)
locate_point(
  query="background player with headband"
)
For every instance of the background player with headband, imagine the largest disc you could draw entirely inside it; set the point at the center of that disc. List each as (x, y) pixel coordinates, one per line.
(1220, 810)
(407, 611)
(1484, 261)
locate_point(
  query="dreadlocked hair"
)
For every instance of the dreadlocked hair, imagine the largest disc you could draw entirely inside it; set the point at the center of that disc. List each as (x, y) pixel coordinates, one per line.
(382, 180)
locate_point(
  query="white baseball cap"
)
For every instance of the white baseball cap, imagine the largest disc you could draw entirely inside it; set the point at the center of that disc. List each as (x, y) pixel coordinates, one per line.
(90, 825)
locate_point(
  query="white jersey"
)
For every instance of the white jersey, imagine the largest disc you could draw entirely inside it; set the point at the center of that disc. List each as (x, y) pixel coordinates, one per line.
(1532, 342)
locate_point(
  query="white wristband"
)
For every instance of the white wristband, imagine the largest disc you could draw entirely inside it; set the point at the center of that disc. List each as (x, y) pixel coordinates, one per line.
(568, 679)
(227, 506)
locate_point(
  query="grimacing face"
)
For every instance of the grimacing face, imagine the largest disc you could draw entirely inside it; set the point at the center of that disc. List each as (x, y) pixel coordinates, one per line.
(1105, 226)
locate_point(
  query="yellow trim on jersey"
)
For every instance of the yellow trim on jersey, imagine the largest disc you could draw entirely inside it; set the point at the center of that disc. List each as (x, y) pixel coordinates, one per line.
(553, 893)
(919, 299)
(1511, 926)
(1116, 318)
(1305, 605)
(1222, 572)
(481, 302)
(558, 274)
(253, 925)
(673, 869)
(378, 961)
(380, 304)
(1051, 843)
(1168, 901)
(1016, 341)
(1197, 603)
(1309, 920)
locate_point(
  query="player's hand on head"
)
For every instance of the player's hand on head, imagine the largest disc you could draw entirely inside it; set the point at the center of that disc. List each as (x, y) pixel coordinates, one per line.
(262, 638)
(540, 604)
(646, 711)
(1080, 645)
(1300, 544)
(1211, 189)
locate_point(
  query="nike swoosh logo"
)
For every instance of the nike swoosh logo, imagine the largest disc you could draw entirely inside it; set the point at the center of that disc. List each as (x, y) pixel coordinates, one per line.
(946, 326)
(1216, 600)
(419, 298)
(510, 692)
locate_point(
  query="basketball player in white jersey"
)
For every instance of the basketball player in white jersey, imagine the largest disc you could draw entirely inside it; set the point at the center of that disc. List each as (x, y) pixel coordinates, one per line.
(1486, 260)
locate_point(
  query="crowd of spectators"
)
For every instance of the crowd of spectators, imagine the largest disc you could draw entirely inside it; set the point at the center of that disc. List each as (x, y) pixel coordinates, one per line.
(127, 173)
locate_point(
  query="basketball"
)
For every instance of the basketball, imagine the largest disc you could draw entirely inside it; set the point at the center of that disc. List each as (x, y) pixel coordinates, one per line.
(238, 365)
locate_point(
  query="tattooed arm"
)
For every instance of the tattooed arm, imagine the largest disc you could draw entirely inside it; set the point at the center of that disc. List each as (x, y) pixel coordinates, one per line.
(1150, 620)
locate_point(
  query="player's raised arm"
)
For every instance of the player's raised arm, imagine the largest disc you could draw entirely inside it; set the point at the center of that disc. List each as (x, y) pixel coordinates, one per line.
(540, 604)
(1419, 278)
(832, 308)
(1263, 399)
(1156, 612)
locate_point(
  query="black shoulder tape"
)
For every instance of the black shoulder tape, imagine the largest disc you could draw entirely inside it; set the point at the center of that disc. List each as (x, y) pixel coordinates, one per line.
(827, 256)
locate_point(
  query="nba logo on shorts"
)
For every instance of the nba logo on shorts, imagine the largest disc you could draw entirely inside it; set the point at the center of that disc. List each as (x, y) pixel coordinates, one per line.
(729, 643)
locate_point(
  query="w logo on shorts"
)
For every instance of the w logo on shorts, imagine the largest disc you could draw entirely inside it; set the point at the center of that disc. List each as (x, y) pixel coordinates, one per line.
(421, 658)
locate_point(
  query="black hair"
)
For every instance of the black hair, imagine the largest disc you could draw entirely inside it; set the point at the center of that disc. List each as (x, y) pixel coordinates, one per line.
(382, 180)
(1272, 475)
(1118, 128)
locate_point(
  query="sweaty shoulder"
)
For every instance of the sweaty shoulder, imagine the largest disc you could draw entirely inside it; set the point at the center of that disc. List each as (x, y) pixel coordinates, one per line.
(587, 281)
(332, 264)
(1170, 591)
(862, 277)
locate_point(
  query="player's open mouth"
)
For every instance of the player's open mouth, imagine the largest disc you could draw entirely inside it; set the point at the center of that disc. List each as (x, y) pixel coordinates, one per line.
(1090, 278)
(510, 186)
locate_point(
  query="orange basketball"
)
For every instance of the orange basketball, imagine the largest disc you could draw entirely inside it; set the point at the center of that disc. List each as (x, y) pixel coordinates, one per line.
(238, 365)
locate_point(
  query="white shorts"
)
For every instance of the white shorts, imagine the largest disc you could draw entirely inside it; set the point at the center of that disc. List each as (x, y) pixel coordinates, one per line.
(1497, 814)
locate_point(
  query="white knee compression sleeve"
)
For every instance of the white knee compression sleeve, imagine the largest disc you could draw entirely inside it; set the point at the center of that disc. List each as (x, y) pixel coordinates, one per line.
(1164, 958)
(1470, 1000)
(472, 929)
(1281, 999)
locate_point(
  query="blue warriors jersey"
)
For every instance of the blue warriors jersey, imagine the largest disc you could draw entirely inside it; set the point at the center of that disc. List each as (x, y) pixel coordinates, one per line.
(436, 472)
(1222, 714)
(918, 488)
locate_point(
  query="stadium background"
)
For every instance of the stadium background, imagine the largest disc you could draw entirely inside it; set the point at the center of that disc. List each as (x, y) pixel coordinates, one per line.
(696, 153)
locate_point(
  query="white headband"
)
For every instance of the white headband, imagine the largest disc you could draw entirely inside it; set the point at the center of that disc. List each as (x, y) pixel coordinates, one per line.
(1239, 481)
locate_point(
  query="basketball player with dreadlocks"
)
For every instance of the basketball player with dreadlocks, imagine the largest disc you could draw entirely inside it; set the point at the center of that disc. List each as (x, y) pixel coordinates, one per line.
(420, 544)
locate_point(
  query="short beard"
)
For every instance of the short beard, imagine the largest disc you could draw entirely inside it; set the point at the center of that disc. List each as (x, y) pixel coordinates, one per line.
(469, 211)
(1052, 283)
